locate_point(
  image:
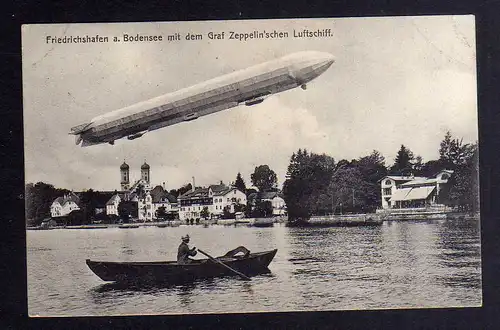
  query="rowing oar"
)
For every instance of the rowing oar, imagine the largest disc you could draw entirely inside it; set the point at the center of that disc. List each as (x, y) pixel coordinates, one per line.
(243, 276)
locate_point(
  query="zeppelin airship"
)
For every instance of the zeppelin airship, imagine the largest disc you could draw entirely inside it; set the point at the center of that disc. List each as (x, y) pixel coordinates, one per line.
(249, 86)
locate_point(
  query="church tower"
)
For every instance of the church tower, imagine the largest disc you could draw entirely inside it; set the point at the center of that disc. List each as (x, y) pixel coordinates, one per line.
(124, 175)
(145, 172)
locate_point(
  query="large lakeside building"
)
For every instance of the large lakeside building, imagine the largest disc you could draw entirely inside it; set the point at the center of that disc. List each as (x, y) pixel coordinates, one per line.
(215, 198)
(399, 192)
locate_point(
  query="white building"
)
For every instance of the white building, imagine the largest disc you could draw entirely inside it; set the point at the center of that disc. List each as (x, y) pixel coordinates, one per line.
(276, 199)
(63, 206)
(153, 200)
(112, 205)
(215, 198)
(413, 192)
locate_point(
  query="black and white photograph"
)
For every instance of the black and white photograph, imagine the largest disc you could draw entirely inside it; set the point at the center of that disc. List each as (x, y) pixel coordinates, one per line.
(250, 166)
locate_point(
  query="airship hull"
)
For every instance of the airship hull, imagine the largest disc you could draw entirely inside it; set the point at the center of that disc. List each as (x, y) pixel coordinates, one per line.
(248, 86)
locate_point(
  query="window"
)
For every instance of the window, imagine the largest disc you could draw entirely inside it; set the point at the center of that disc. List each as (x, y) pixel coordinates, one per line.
(387, 191)
(388, 182)
(444, 176)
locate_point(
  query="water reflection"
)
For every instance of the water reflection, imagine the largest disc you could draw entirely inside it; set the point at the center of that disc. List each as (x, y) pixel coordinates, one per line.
(399, 264)
(460, 251)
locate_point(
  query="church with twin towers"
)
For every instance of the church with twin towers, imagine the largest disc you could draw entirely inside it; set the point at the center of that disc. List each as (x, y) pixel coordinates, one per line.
(149, 199)
(125, 175)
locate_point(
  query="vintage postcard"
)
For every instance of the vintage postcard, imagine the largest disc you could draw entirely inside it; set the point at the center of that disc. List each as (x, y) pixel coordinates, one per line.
(251, 166)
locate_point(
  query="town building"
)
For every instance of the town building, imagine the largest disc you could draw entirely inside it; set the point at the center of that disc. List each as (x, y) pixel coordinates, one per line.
(414, 192)
(64, 205)
(154, 199)
(276, 199)
(215, 198)
(112, 204)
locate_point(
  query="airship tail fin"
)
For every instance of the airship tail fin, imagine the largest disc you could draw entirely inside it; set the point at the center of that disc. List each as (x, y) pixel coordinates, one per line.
(78, 139)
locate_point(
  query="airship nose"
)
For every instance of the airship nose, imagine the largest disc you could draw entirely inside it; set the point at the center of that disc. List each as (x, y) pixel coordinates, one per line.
(322, 61)
(323, 58)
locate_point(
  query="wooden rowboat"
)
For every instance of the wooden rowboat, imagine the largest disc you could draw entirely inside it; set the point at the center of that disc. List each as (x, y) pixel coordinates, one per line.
(171, 272)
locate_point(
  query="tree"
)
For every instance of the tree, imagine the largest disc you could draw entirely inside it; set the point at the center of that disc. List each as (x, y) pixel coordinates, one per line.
(262, 209)
(308, 175)
(445, 150)
(464, 184)
(348, 189)
(127, 209)
(463, 160)
(39, 198)
(250, 191)
(205, 214)
(264, 178)
(161, 212)
(403, 164)
(372, 169)
(226, 214)
(88, 204)
(454, 153)
(239, 183)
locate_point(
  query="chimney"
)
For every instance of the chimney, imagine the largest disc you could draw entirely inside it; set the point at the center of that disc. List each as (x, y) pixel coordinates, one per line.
(163, 185)
(194, 186)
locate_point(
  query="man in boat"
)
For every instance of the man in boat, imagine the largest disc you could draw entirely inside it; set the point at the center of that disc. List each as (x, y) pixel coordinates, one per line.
(184, 252)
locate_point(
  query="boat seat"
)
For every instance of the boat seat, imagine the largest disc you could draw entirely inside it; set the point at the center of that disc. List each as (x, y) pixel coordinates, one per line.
(240, 249)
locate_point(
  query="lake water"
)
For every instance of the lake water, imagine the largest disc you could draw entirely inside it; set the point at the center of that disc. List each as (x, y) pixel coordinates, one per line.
(410, 264)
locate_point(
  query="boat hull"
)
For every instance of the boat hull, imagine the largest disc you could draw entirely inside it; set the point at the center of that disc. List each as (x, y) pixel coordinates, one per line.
(171, 272)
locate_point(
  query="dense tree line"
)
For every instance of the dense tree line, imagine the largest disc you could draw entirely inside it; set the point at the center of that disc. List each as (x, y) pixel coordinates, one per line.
(316, 184)
(39, 198)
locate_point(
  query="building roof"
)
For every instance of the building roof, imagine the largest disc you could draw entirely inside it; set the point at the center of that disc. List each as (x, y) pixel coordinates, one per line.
(124, 166)
(401, 178)
(135, 187)
(224, 191)
(71, 197)
(197, 193)
(419, 193)
(408, 194)
(268, 195)
(218, 188)
(400, 194)
(113, 199)
(158, 194)
(419, 182)
(145, 166)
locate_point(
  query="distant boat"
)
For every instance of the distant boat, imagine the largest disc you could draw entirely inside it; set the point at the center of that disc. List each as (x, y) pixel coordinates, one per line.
(39, 228)
(162, 225)
(127, 225)
(347, 220)
(263, 222)
(226, 222)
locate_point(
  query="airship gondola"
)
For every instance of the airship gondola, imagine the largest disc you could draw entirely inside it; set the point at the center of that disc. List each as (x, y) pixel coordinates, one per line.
(249, 86)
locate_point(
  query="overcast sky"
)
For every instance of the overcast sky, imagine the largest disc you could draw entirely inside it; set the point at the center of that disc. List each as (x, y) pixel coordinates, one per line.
(404, 80)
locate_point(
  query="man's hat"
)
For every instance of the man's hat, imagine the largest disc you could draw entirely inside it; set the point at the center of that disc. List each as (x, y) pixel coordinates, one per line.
(185, 238)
